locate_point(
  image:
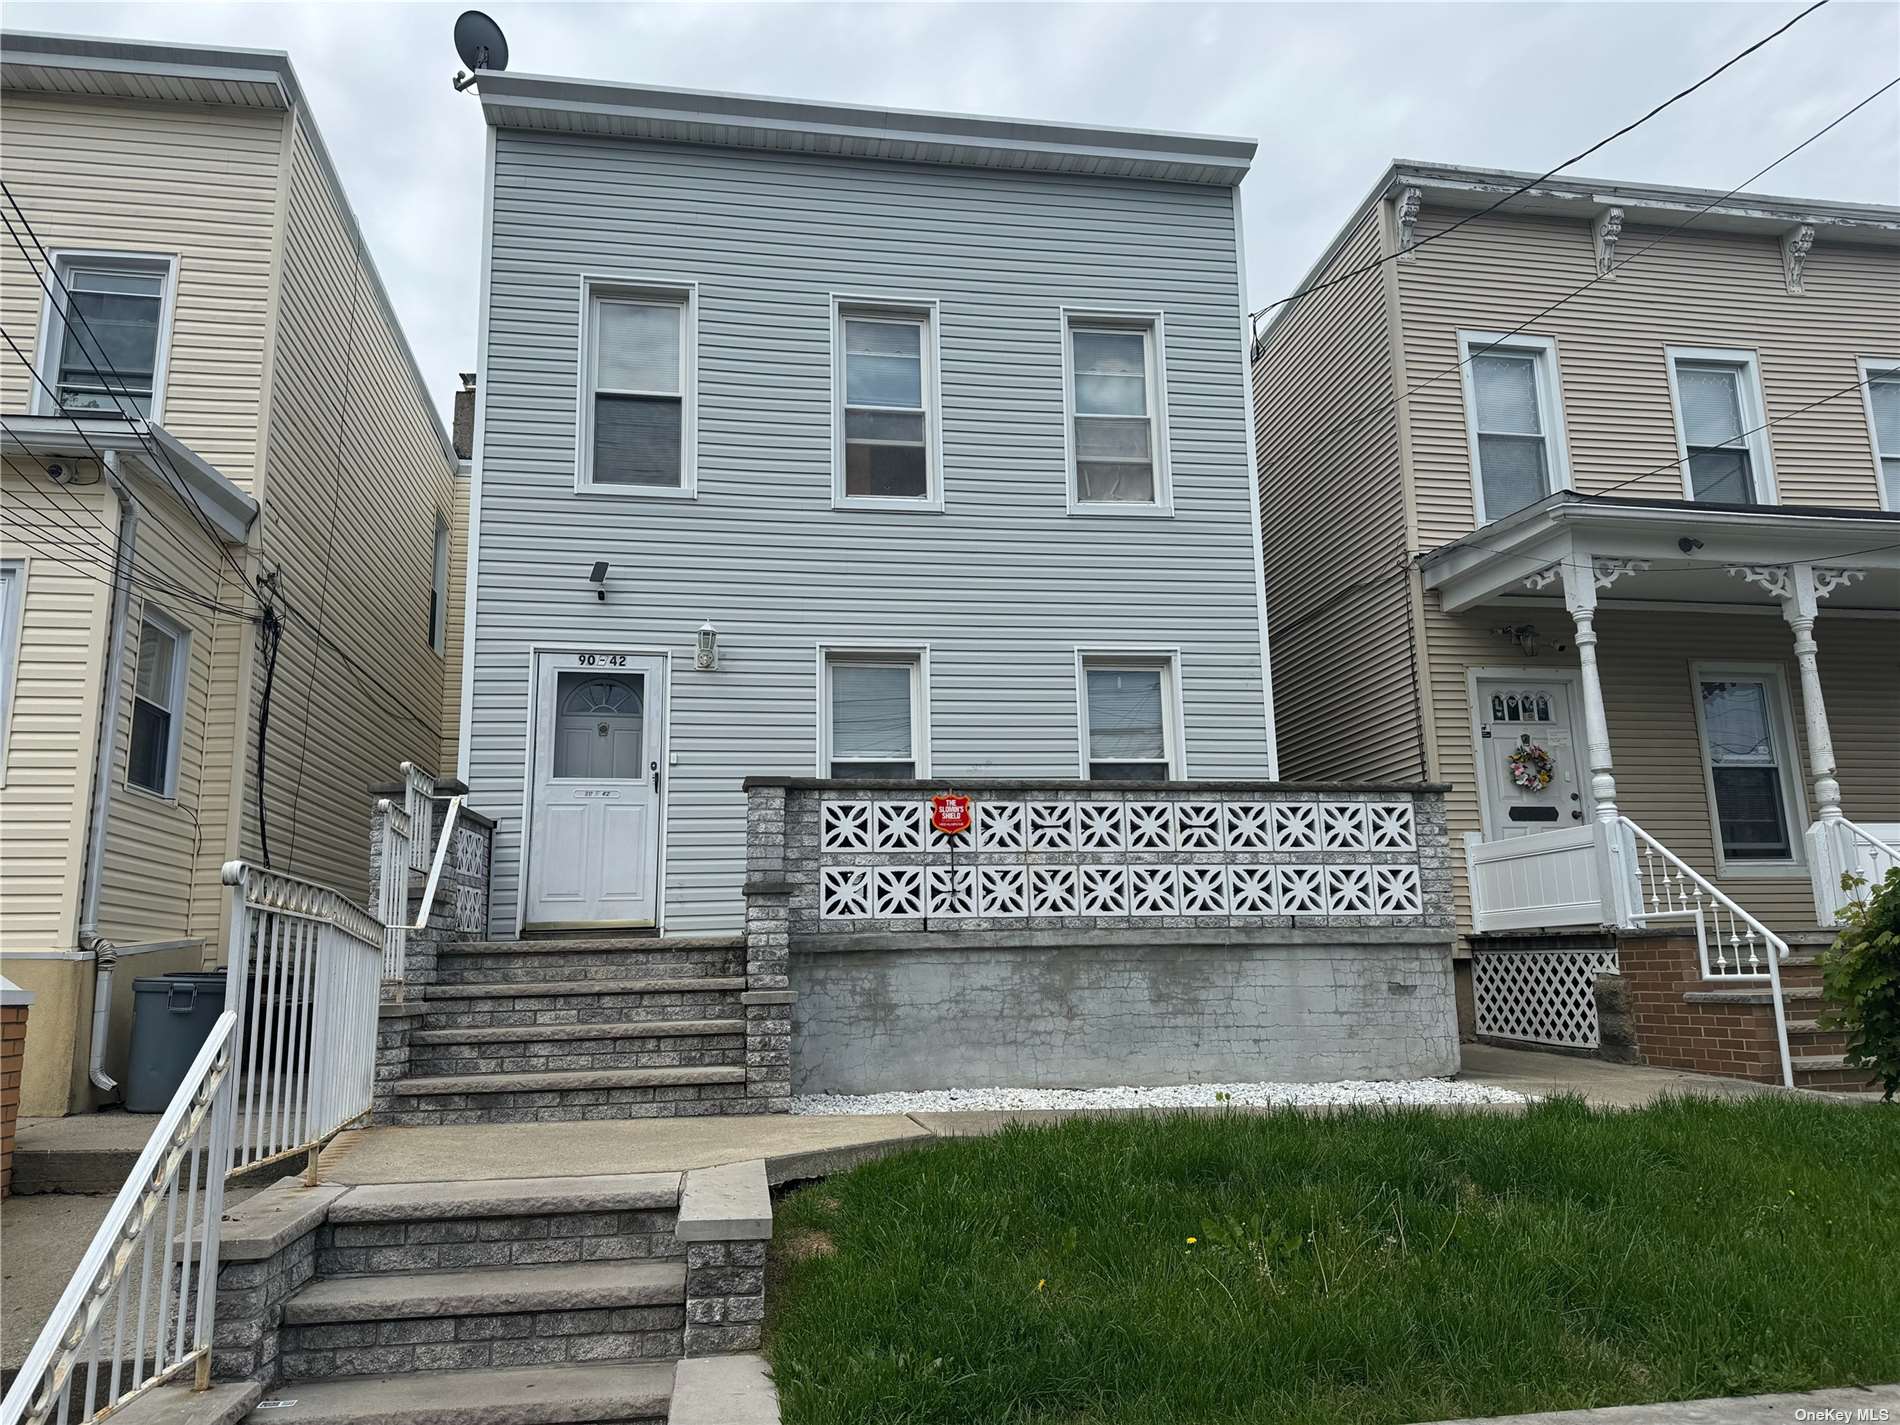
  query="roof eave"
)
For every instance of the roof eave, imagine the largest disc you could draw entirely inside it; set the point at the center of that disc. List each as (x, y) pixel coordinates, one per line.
(153, 453)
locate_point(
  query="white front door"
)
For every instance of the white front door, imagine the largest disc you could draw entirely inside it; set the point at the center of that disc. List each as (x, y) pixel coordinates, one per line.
(594, 818)
(1518, 719)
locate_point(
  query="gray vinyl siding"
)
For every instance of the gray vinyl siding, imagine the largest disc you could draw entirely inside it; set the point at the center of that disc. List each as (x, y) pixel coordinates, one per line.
(1002, 585)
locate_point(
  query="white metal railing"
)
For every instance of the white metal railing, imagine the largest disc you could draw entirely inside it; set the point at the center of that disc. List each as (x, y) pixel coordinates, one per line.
(135, 1313)
(1732, 944)
(418, 801)
(1838, 847)
(396, 857)
(1537, 882)
(303, 973)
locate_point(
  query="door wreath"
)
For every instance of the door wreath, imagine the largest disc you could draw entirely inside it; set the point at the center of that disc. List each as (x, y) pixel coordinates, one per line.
(1532, 767)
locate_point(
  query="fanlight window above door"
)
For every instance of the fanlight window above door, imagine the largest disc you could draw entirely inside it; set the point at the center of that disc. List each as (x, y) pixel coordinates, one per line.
(601, 695)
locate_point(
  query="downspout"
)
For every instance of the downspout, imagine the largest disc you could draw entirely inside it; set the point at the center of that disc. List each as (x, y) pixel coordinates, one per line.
(89, 938)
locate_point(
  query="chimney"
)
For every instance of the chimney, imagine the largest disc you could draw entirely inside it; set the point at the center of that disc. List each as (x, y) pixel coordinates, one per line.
(463, 433)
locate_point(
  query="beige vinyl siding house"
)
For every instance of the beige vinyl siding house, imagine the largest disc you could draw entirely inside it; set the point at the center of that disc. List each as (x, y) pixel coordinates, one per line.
(285, 392)
(1776, 306)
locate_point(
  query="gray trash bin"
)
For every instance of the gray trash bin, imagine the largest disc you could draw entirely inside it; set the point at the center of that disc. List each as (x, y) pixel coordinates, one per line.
(172, 1016)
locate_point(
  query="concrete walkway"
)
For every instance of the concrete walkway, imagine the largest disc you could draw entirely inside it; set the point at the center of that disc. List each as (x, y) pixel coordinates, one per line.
(798, 1147)
(1846, 1405)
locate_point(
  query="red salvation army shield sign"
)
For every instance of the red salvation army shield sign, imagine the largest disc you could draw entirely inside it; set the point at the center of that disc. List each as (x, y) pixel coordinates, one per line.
(950, 813)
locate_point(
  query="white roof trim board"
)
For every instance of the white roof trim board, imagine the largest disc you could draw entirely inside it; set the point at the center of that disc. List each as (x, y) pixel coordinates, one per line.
(746, 121)
(86, 67)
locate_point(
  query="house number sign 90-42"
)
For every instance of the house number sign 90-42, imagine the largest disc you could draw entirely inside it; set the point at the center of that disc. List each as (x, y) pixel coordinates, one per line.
(607, 660)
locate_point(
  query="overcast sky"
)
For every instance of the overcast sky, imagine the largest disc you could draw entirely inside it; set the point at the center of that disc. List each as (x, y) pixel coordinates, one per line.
(1332, 92)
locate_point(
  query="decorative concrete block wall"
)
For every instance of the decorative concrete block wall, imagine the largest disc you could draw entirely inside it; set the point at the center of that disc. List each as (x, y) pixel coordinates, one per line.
(1105, 933)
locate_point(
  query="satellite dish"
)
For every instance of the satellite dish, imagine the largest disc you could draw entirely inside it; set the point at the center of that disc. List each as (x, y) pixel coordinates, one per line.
(481, 44)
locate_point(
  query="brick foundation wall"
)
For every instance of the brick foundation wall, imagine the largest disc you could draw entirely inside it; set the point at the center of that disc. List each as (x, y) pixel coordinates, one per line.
(12, 1054)
(1736, 1041)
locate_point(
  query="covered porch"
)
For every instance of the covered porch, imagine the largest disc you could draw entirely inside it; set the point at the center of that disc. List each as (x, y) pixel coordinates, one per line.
(1700, 732)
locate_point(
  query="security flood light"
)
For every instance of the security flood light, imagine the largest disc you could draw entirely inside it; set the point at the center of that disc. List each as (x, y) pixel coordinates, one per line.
(598, 578)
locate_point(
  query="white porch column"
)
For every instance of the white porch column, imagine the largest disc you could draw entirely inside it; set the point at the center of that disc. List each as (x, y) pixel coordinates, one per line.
(1800, 608)
(1580, 599)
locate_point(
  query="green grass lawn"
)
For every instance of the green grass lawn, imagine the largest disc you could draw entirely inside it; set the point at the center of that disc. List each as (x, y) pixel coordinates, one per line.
(1378, 1266)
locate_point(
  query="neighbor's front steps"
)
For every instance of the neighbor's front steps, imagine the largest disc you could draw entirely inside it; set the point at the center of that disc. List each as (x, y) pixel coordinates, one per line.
(522, 1031)
(520, 1301)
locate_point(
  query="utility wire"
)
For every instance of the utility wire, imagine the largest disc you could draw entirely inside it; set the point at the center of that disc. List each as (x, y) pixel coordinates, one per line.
(1255, 316)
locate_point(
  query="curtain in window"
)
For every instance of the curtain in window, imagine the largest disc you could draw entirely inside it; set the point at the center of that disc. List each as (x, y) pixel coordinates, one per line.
(1720, 467)
(637, 404)
(884, 450)
(870, 720)
(1884, 395)
(1114, 431)
(1125, 718)
(1744, 767)
(1513, 458)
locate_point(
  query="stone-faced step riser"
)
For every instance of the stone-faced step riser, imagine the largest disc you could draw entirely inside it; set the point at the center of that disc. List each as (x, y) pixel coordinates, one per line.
(450, 1343)
(453, 969)
(704, 1051)
(450, 1244)
(581, 1008)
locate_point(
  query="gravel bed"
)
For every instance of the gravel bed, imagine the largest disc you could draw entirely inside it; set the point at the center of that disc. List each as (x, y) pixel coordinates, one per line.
(1435, 1093)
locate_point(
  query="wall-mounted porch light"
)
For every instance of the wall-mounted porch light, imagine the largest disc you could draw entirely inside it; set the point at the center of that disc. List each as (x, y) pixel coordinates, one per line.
(706, 648)
(598, 578)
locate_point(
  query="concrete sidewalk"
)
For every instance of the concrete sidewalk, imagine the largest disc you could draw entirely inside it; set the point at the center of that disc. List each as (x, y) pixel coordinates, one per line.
(1843, 1406)
(800, 1147)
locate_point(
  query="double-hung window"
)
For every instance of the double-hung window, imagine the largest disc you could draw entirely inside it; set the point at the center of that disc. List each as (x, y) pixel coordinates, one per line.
(1742, 714)
(12, 598)
(106, 337)
(885, 405)
(1514, 411)
(1720, 426)
(637, 397)
(872, 714)
(1882, 378)
(1128, 726)
(158, 700)
(1116, 396)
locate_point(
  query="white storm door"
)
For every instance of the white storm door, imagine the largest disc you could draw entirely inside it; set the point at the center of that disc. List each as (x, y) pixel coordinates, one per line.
(594, 832)
(1515, 716)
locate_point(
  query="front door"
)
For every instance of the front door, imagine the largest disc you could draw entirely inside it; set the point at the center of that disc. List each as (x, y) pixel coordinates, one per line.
(594, 820)
(1524, 738)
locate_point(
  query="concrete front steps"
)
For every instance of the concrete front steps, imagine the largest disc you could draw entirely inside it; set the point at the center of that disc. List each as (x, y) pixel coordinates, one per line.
(497, 1303)
(525, 1031)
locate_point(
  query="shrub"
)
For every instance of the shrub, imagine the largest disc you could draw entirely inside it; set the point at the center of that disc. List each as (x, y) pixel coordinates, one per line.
(1861, 973)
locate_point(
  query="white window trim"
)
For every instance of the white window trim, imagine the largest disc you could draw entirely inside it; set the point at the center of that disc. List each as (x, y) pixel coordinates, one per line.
(1151, 321)
(917, 655)
(1787, 753)
(873, 307)
(1173, 712)
(1868, 366)
(1754, 414)
(596, 287)
(1550, 405)
(440, 553)
(12, 616)
(181, 684)
(53, 319)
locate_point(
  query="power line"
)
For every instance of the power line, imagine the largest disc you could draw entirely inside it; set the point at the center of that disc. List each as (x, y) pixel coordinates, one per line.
(1353, 423)
(1541, 178)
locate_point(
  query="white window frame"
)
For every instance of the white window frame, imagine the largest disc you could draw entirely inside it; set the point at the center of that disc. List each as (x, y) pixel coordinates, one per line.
(1550, 405)
(596, 288)
(1773, 677)
(439, 586)
(12, 616)
(1152, 323)
(923, 311)
(915, 656)
(181, 683)
(52, 333)
(1889, 368)
(1754, 414)
(1173, 713)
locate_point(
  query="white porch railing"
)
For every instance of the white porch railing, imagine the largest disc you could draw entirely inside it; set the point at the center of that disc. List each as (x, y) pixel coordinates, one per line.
(123, 1318)
(396, 858)
(1841, 847)
(1539, 882)
(304, 970)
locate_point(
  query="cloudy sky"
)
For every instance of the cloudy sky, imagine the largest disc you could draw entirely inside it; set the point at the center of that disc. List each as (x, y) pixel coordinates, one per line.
(1331, 91)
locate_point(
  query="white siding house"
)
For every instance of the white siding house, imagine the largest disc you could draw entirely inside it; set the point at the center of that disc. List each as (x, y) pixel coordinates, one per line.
(936, 426)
